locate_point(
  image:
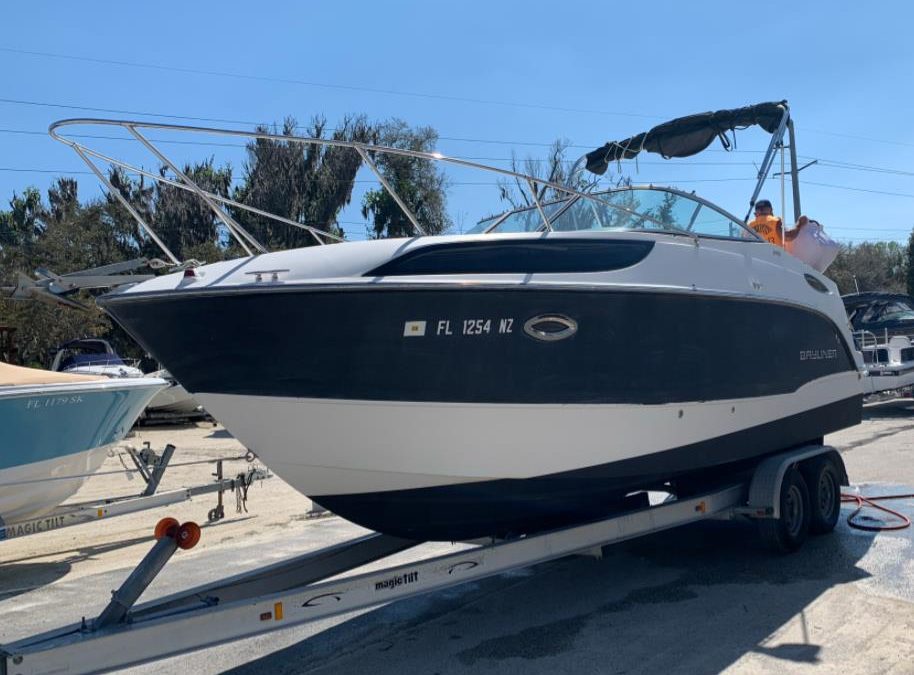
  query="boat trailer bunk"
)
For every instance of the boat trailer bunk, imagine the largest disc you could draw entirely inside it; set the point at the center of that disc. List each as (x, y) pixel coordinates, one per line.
(297, 590)
(151, 466)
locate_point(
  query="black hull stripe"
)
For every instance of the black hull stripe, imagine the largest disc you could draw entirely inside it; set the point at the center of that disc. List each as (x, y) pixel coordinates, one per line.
(501, 507)
(629, 347)
(518, 256)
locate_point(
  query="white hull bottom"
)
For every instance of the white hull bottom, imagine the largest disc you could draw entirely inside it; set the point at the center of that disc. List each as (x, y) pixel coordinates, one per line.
(21, 498)
(334, 447)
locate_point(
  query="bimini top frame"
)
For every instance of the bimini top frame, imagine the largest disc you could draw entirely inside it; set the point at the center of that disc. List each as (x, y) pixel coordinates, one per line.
(218, 204)
(686, 136)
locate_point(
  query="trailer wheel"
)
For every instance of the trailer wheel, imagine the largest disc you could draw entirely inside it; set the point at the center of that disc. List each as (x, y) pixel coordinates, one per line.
(824, 484)
(788, 533)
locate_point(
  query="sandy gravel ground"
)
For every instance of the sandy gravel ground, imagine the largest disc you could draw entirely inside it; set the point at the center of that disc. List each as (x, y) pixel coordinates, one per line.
(99, 547)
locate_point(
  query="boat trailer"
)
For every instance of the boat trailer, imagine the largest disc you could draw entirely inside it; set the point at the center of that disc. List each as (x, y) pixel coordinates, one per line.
(296, 590)
(151, 466)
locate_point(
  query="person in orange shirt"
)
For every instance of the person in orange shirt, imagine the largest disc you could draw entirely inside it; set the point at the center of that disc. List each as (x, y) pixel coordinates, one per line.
(770, 228)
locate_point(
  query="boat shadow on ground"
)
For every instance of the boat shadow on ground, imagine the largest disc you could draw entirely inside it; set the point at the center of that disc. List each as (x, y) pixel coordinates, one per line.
(692, 600)
(16, 579)
(18, 575)
(75, 554)
(897, 409)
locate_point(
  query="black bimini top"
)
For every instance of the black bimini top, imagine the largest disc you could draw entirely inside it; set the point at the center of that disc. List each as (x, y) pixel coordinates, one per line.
(686, 136)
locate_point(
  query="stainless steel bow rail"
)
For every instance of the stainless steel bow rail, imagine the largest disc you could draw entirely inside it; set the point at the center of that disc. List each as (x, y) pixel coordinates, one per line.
(367, 153)
(151, 467)
(297, 590)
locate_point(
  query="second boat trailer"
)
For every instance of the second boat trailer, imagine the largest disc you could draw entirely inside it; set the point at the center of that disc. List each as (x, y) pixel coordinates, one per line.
(151, 467)
(792, 495)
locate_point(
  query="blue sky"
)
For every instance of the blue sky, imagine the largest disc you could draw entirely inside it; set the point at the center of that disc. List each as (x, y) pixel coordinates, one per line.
(516, 74)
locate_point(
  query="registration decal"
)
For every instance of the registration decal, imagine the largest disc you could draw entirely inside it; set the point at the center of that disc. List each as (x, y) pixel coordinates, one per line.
(414, 329)
(467, 327)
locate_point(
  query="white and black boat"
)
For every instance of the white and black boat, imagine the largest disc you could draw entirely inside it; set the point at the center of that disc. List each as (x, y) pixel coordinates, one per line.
(883, 327)
(525, 376)
(93, 356)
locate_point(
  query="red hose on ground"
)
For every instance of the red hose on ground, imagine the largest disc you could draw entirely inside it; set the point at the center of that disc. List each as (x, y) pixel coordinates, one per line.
(863, 502)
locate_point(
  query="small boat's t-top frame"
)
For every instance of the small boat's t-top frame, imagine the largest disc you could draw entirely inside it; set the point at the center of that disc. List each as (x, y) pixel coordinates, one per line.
(220, 205)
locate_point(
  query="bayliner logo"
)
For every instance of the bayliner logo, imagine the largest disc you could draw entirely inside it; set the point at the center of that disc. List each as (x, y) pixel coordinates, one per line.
(818, 354)
(399, 580)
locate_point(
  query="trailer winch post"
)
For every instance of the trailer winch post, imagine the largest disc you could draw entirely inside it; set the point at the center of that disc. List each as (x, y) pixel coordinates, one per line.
(153, 471)
(158, 470)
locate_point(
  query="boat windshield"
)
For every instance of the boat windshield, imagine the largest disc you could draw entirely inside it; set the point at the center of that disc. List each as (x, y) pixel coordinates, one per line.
(630, 208)
(895, 310)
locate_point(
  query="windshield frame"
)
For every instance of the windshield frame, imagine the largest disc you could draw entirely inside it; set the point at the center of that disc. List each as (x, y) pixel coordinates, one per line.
(663, 227)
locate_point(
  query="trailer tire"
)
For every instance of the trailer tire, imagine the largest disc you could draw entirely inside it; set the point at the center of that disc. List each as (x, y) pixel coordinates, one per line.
(788, 533)
(824, 482)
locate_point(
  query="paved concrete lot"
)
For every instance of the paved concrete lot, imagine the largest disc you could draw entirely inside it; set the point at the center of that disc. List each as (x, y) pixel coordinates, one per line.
(703, 599)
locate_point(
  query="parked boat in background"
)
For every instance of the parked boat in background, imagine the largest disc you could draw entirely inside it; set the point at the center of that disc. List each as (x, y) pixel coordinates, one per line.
(57, 425)
(883, 315)
(174, 398)
(883, 327)
(96, 357)
(93, 356)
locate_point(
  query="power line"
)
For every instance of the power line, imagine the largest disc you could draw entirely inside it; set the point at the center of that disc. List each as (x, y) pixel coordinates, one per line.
(373, 90)
(323, 85)
(124, 138)
(900, 231)
(356, 181)
(856, 138)
(835, 164)
(459, 139)
(244, 122)
(466, 157)
(297, 126)
(493, 183)
(59, 171)
(856, 189)
(117, 111)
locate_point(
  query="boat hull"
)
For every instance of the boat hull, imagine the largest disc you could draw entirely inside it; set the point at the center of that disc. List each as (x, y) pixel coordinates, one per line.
(466, 510)
(442, 414)
(54, 431)
(33, 490)
(173, 399)
(457, 471)
(476, 344)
